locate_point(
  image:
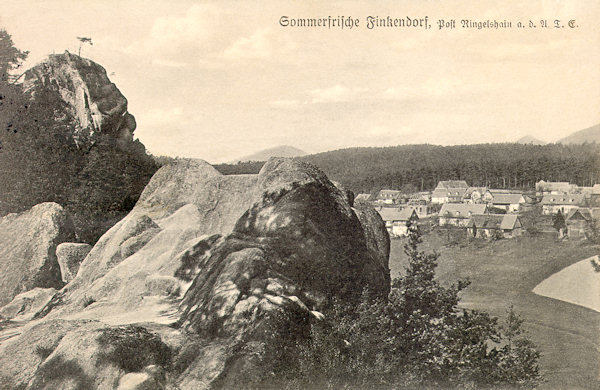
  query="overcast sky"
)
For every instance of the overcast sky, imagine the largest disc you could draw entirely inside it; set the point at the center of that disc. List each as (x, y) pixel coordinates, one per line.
(219, 80)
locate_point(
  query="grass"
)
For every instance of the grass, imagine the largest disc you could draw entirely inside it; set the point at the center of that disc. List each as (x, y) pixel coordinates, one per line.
(504, 272)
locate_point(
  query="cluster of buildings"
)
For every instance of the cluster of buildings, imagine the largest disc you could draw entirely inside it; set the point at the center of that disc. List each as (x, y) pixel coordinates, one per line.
(487, 212)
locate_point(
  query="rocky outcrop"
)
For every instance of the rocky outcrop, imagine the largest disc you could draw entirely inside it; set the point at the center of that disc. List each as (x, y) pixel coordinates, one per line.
(70, 138)
(69, 256)
(90, 97)
(184, 203)
(222, 260)
(28, 244)
(25, 305)
(299, 244)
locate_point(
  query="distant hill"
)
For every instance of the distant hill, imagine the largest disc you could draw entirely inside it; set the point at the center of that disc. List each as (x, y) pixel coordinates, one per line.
(412, 167)
(530, 140)
(277, 151)
(591, 134)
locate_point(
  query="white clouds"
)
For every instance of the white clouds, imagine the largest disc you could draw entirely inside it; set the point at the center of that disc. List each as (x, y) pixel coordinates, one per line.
(337, 93)
(257, 45)
(285, 103)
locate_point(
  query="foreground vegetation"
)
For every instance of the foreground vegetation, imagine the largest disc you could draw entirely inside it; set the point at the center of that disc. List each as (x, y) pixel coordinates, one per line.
(505, 272)
(417, 338)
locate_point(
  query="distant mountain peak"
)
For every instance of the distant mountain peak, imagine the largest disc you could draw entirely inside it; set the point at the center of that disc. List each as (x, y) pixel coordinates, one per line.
(277, 151)
(591, 134)
(528, 139)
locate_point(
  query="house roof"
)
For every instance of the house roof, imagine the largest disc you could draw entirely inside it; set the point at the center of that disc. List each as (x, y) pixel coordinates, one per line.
(464, 210)
(389, 194)
(553, 185)
(579, 214)
(362, 197)
(564, 199)
(452, 184)
(394, 214)
(495, 221)
(502, 191)
(508, 199)
(448, 192)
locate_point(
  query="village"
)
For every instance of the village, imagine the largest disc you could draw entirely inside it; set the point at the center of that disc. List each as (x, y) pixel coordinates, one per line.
(568, 210)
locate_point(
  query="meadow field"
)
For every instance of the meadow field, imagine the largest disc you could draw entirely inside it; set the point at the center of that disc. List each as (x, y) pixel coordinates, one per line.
(505, 272)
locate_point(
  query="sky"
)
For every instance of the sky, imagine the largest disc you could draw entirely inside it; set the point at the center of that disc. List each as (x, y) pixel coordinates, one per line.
(220, 80)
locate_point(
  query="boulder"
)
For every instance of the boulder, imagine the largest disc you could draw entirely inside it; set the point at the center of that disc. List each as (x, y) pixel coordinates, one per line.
(298, 245)
(251, 255)
(61, 354)
(91, 98)
(184, 202)
(376, 234)
(69, 256)
(28, 242)
(25, 305)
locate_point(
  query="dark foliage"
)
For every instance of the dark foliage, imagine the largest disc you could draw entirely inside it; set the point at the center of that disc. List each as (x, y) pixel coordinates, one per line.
(493, 165)
(414, 167)
(40, 162)
(417, 338)
(241, 168)
(132, 348)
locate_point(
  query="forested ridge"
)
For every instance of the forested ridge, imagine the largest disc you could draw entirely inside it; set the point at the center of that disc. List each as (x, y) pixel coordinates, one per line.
(416, 167)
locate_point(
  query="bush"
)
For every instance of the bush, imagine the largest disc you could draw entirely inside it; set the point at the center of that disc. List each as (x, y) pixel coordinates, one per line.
(132, 348)
(417, 338)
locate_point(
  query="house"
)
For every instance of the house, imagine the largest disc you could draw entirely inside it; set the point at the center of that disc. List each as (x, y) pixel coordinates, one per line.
(362, 197)
(495, 225)
(396, 220)
(458, 214)
(509, 202)
(554, 187)
(577, 222)
(389, 197)
(421, 209)
(447, 184)
(477, 195)
(448, 195)
(552, 204)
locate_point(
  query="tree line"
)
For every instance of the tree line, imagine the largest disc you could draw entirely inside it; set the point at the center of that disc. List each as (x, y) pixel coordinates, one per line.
(420, 167)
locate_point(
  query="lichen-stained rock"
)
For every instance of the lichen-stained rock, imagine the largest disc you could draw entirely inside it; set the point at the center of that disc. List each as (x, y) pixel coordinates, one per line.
(376, 234)
(67, 354)
(69, 256)
(95, 102)
(24, 306)
(254, 257)
(28, 243)
(184, 203)
(298, 245)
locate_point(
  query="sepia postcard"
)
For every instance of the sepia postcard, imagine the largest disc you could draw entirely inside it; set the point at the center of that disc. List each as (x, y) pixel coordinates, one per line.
(299, 194)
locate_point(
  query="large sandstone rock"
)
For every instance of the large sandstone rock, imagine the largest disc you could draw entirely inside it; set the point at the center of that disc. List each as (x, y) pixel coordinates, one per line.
(221, 257)
(298, 245)
(62, 354)
(69, 256)
(91, 98)
(28, 243)
(184, 202)
(25, 305)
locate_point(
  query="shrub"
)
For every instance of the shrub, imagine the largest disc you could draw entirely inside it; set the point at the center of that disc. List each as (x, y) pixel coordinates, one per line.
(417, 338)
(132, 348)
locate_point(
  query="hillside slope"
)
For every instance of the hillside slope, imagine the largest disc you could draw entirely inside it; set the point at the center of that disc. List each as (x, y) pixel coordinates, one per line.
(591, 134)
(277, 151)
